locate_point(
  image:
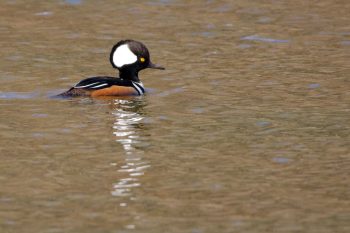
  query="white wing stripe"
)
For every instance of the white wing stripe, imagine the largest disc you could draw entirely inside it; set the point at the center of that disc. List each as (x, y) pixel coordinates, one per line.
(88, 85)
(101, 85)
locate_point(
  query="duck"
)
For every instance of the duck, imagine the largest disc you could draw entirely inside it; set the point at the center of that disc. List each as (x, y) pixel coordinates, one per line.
(129, 57)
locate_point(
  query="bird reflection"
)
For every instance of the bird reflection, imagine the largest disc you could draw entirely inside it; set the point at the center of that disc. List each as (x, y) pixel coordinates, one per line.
(126, 128)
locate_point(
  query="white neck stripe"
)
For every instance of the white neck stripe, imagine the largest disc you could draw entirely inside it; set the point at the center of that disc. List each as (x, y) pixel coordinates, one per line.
(138, 87)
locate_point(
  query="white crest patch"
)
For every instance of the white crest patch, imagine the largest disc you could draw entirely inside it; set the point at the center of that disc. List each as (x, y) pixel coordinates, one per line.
(123, 56)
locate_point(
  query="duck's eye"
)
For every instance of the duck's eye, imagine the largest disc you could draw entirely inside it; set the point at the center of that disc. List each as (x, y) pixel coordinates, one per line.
(142, 59)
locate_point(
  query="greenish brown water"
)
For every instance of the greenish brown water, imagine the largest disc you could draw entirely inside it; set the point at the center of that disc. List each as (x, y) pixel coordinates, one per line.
(247, 130)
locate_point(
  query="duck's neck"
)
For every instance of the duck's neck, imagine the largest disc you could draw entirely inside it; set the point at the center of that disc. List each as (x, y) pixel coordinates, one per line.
(130, 75)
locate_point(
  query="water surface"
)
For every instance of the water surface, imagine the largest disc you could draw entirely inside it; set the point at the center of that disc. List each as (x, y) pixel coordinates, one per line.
(247, 130)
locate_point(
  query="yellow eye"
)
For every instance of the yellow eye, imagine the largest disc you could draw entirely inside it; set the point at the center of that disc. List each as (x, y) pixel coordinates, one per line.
(142, 59)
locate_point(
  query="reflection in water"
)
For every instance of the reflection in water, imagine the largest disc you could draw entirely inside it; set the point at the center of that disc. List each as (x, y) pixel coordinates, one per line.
(126, 129)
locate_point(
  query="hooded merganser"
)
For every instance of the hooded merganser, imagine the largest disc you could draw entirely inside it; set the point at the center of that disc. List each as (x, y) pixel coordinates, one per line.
(129, 57)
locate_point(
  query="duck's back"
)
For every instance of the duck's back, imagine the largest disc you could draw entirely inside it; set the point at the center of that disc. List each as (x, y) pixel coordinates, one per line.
(104, 86)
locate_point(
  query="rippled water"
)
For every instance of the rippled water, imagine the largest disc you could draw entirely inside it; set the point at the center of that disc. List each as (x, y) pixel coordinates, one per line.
(247, 130)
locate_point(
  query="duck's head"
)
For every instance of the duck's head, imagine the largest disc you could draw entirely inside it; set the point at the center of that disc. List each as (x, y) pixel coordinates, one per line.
(129, 57)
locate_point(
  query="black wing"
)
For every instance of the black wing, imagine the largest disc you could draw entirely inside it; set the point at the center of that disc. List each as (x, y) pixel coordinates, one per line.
(96, 83)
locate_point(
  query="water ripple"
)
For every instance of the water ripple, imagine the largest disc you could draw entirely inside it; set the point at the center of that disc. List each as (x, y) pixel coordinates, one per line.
(263, 39)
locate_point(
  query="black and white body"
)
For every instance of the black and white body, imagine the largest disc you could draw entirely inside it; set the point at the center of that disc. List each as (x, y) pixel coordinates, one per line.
(129, 57)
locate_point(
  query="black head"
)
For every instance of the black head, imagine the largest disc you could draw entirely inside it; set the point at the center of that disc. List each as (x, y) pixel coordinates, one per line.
(131, 55)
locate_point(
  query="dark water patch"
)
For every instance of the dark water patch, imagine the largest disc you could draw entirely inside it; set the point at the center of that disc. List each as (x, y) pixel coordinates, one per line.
(23, 43)
(244, 46)
(263, 123)
(73, 35)
(105, 37)
(54, 93)
(162, 2)
(44, 13)
(99, 50)
(205, 34)
(40, 115)
(264, 20)
(40, 59)
(73, 2)
(281, 160)
(198, 110)
(223, 8)
(172, 91)
(38, 135)
(345, 42)
(314, 85)
(252, 11)
(18, 95)
(14, 58)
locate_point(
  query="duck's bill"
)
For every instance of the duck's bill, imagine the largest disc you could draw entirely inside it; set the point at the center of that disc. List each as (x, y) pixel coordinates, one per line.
(155, 66)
